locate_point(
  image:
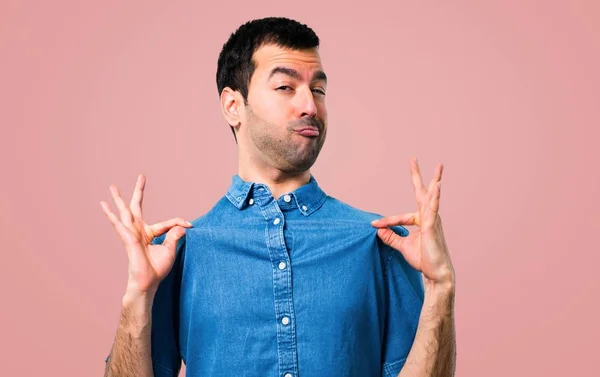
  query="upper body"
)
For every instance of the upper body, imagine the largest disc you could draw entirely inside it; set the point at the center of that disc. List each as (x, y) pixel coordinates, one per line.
(349, 293)
(313, 294)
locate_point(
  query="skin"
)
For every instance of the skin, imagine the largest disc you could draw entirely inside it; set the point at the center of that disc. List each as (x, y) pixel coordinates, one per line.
(269, 151)
(434, 349)
(287, 91)
(425, 248)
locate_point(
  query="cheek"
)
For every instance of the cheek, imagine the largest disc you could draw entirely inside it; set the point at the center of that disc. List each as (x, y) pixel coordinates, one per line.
(275, 107)
(279, 111)
(322, 111)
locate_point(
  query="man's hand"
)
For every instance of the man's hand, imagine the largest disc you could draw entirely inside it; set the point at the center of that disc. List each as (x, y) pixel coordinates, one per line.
(433, 353)
(148, 264)
(424, 249)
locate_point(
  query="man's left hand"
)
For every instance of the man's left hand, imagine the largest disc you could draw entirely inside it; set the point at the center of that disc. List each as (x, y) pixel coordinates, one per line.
(425, 248)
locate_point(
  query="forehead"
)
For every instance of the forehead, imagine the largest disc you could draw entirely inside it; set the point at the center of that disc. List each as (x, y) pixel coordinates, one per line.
(270, 56)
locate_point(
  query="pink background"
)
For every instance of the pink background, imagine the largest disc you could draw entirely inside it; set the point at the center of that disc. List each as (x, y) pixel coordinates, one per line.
(504, 93)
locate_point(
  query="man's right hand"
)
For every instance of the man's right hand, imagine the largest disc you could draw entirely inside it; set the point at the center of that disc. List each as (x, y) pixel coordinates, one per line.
(148, 263)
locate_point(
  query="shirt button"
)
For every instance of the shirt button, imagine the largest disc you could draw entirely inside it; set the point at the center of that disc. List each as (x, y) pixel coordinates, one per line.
(282, 265)
(287, 375)
(304, 208)
(287, 198)
(285, 321)
(251, 201)
(276, 221)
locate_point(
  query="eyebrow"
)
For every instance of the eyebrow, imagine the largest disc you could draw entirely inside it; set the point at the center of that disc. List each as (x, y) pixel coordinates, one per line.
(319, 75)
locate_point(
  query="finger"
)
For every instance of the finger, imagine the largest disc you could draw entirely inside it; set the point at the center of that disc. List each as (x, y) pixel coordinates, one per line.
(172, 237)
(415, 172)
(391, 238)
(404, 219)
(121, 229)
(434, 202)
(160, 228)
(138, 197)
(437, 177)
(126, 217)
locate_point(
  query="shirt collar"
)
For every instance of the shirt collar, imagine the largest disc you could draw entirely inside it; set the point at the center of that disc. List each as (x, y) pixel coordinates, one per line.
(308, 197)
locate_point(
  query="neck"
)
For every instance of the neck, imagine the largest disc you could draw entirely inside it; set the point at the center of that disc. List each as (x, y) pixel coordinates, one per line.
(278, 182)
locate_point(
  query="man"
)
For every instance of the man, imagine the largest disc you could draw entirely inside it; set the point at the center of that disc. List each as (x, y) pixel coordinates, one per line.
(279, 279)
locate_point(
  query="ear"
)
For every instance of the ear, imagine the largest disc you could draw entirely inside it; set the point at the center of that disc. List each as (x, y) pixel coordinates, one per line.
(232, 104)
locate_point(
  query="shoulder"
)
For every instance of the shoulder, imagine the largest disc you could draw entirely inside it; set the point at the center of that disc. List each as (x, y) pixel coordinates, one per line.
(396, 269)
(358, 216)
(217, 213)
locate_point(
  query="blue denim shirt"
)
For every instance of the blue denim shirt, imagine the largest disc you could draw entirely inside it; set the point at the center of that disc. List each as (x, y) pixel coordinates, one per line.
(295, 286)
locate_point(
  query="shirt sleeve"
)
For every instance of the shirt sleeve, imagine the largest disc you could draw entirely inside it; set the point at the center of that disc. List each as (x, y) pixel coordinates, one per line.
(404, 298)
(165, 350)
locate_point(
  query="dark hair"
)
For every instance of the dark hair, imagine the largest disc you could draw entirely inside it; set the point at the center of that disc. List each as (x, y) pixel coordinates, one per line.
(235, 66)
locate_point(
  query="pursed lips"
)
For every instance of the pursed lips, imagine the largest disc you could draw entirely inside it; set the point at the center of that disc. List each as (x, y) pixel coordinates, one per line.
(307, 131)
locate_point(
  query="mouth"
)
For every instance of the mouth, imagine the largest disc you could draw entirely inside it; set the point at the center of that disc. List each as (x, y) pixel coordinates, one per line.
(308, 131)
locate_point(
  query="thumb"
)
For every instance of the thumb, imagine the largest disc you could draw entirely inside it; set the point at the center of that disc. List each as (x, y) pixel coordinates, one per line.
(404, 219)
(391, 238)
(173, 235)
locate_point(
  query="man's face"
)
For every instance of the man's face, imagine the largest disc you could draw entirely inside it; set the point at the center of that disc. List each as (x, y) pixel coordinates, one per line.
(286, 120)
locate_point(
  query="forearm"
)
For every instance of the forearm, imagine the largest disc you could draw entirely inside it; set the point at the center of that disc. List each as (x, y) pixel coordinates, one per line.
(130, 355)
(433, 353)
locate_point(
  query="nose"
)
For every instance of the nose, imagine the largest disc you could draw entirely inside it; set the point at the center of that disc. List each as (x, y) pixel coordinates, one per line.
(306, 105)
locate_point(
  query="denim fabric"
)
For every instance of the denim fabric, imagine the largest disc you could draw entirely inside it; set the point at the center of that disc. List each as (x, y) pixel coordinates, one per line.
(295, 286)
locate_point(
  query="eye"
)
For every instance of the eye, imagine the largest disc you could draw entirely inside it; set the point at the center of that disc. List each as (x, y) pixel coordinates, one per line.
(284, 88)
(321, 92)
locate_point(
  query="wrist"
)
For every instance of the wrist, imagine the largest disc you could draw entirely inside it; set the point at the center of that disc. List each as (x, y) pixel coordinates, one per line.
(136, 313)
(439, 296)
(137, 305)
(443, 288)
(441, 284)
(138, 299)
(137, 291)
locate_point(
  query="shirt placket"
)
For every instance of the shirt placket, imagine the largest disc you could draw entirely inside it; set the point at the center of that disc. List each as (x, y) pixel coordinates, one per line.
(282, 286)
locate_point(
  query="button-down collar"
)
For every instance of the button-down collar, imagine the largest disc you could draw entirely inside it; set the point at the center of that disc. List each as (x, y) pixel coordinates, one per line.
(308, 197)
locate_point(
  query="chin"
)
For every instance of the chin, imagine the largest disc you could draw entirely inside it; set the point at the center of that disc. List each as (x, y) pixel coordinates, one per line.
(301, 165)
(304, 158)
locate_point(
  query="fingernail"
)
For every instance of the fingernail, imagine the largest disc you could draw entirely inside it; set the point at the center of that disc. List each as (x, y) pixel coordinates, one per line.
(188, 223)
